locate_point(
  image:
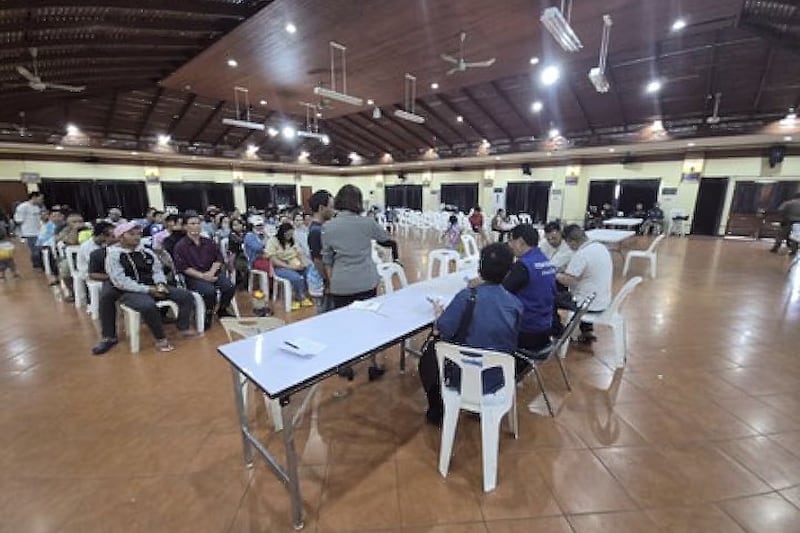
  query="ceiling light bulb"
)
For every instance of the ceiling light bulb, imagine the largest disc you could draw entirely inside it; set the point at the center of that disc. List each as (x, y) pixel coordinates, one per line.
(272, 132)
(353, 156)
(164, 139)
(434, 86)
(485, 142)
(537, 106)
(288, 132)
(233, 63)
(612, 150)
(459, 118)
(678, 25)
(252, 149)
(59, 147)
(791, 115)
(263, 102)
(72, 129)
(134, 153)
(370, 101)
(550, 75)
(304, 154)
(534, 60)
(690, 144)
(319, 115)
(658, 125)
(787, 138)
(291, 28)
(326, 140)
(553, 133)
(653, 87)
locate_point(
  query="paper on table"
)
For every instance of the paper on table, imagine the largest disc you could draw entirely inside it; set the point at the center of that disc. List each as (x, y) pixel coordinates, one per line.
(303, 347)
(366, 305)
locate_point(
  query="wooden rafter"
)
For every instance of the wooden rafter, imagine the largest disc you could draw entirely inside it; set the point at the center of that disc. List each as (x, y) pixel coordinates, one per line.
(182, 113)
(453, 109)
(207, 121)
(487, 114)
(149, 112)
(432, 113)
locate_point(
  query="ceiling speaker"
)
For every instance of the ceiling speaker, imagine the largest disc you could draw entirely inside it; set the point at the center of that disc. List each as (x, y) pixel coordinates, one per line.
(776, 154)
(526, 169)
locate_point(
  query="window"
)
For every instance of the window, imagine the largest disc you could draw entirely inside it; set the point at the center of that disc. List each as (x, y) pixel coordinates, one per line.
(263, 196)
(409, 196)
(751, 197)
(531, 197)
(462, 195)
(94, 198)
(197, 196)
(624, 194)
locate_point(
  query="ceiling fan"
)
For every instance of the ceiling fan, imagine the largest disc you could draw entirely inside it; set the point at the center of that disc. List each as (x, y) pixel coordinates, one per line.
(460, 64)
(35, 81)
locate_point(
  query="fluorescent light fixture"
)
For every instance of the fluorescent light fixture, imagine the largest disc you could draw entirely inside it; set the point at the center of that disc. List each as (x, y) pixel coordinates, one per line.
(291, 28)
(288, 132)
(787, 138)
(326, 140)
(550, 75)
(559, 28)
(537, 106)
(370, 101)
(599, 80)
(263, 102)
(321, 137)
(164, 139)
(272, 132)
(434, 86)
(134, 153)
(339, 97)
(678, 25)
(653, 87)
(233, 63)
(59, 147)
(690, 144)
(243, 124)
(353, 156)
(658, 125)
(376, 113)
(553, 133)
(304, 154)
(459, 118)
(790, 119)
(597, 75)
(411, 117)
(534, 60)
(612, 150)
(72, 129)
(485, 142)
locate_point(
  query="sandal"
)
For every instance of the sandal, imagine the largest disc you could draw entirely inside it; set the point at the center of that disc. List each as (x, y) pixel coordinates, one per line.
(164, 346)
(190, 334)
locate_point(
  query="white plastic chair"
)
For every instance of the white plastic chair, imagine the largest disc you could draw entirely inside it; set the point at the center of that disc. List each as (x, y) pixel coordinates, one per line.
(283, 283)
(525, 218)
(468, 263)
(249, 327)
(677, 227)
(93, 308)
(470, 246)
(78, 287)
(649, 254)
(442, 257)
(133, 321)
(491, 407)
(387, 272)
(613, 318)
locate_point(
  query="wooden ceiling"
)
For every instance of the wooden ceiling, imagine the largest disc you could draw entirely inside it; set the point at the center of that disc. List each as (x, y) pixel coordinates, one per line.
(154, 68)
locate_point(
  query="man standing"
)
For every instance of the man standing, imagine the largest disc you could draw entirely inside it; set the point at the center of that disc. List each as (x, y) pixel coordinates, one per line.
(554, 247)
(589, 271)
(321, 204)
(200, 260)
(137, 273)
(790, 214)
(29, 218)
(532, 279)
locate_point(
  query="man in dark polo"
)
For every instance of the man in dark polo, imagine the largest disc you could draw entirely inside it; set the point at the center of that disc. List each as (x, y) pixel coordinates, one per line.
(201, 262)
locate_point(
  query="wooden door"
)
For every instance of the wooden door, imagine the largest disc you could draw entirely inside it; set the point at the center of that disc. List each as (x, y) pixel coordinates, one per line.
(11, 193)
(305, 196)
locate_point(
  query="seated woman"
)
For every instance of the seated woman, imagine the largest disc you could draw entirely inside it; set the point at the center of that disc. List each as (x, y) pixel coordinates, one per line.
(289, 264)
(494, 324)
(501, 225)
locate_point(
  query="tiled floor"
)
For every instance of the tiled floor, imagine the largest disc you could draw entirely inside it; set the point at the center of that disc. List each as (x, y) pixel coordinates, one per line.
(699, 433)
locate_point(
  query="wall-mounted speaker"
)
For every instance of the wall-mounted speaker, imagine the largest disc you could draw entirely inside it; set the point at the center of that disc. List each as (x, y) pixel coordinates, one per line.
(402, 176)
(776, 154)
(526, 169)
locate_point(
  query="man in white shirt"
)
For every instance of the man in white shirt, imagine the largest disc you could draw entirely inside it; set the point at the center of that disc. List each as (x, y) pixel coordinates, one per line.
(554, 247)
(590, 270)
(102, 235)
(29, 218)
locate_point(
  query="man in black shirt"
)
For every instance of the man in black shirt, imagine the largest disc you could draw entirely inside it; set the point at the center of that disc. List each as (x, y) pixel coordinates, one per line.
(107, 305)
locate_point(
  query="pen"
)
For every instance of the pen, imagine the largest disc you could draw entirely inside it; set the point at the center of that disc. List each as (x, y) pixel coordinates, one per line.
(291, 345)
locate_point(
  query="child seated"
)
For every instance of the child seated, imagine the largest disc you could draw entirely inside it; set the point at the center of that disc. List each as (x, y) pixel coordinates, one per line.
(6, 255)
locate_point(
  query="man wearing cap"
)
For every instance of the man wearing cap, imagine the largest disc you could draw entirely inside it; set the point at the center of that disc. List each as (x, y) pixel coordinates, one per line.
(199, 259)
(137, 272)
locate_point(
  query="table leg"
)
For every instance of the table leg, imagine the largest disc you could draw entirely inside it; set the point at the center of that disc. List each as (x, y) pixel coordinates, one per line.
(403, 356)
(293, 481)
(239, 391)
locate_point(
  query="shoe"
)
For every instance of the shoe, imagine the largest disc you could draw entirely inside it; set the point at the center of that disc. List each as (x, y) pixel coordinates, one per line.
(164, 346)
(307, 303)
(103, 346)
(586, 338)
(224, 313)
(375, 372)
(295, 306)
(773, 250)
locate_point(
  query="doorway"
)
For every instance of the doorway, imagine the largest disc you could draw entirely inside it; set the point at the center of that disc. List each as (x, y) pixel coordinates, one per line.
(11, 194)
(305, 196)
(708, 208)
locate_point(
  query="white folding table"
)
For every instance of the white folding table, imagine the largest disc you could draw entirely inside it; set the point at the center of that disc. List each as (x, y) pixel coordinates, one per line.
(623, 222)
(349, 335)
(612, 238)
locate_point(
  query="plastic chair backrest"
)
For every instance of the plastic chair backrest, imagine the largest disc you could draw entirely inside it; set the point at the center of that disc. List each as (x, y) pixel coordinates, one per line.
(388, 271)
(470, 246)
(376, 256)
(444, 256)
(249, 327)
(473, 362)
(795, 234)
(652, 248)
(623, 294)
(71, 253)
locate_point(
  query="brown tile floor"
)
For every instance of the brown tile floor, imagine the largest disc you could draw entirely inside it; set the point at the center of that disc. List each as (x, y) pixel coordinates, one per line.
(701, 431)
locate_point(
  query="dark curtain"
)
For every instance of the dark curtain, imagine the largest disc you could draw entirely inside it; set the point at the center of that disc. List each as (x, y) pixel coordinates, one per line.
(462, 195)
(531, 197)
(601, 192)
(197, 196)
(262, 196)
(409, 196)
(634, 192)
(94, 198)
(750, 197)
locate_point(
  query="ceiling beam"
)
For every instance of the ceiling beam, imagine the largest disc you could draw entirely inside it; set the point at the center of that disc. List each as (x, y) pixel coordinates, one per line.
(182, 113)
(100, 40)
(207, 121)
(482, 109)
(149, 112)
(343, 129)
(179, 7)
(521, 115)
(338, 134)
(763, 82)
(410, 130)
(432, 113)
(616, 93)
(581, 107)
(388, 145)
(112, 109)
(119, 24)
(453, 109)
(225, 131)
